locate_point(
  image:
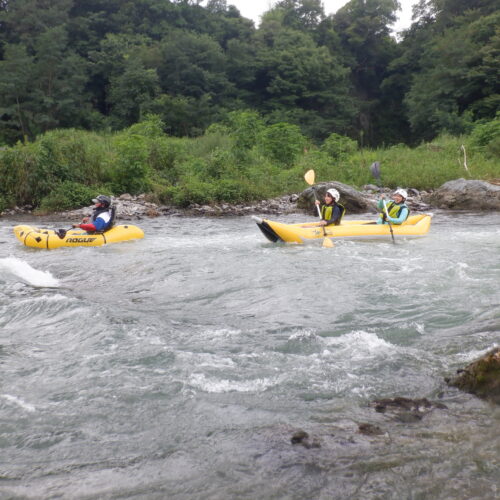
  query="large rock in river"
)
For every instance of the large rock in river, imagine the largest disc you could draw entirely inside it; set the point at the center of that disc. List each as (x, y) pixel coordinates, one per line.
(353, 201)
(464, 194)
(482, 377)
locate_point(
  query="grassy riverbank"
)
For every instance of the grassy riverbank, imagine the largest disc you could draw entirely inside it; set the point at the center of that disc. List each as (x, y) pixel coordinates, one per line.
(242, 160)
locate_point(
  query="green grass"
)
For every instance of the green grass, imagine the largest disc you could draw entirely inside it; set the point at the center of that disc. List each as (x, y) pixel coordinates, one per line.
(61, 167)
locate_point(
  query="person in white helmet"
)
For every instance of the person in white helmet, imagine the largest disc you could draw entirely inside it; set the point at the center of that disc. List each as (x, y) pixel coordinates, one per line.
(397, 209)
(331, 211)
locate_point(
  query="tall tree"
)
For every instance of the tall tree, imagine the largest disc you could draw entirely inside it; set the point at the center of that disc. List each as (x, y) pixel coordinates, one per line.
(459, 79)
(49, 85)
(367, 46)
(301, 14)
(15, 93)
(301, 82)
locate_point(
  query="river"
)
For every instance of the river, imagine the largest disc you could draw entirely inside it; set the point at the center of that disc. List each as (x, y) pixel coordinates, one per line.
(179, 366)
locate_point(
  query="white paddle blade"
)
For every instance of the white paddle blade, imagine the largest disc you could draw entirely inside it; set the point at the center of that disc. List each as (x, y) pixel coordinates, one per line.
(328, 243)
(309, 177)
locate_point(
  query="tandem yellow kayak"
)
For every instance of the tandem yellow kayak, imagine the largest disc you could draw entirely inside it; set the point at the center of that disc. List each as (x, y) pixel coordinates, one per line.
(50, 238)
(415, 225)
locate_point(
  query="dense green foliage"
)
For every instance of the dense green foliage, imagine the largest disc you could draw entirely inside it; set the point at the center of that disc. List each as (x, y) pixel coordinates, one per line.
(104, 65)
(240, 161)
(194, 104)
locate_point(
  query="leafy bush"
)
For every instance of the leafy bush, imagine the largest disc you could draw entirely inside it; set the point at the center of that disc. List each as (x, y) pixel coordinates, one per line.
(339, 146)
(283, 142)
(165, 157)
(245, 127)
(64, 169)
(152, 127)
(129, 167)
(68, 195)
(73, 155)
(234, 191)
(218, 129)
(486, 136)
(206, 144)
(221, 163)
(191, 190)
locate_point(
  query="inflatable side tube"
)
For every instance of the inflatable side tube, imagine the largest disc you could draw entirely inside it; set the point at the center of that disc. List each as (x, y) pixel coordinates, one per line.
(268, 232)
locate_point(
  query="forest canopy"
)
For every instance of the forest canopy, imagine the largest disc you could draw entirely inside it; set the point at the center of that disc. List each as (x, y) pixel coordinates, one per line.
(103, 65)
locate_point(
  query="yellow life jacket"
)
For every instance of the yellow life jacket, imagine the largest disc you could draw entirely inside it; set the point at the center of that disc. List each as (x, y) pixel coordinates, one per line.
(327, 211)
(394, 210)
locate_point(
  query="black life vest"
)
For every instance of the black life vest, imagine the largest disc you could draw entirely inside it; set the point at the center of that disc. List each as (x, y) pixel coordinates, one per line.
(112, 216)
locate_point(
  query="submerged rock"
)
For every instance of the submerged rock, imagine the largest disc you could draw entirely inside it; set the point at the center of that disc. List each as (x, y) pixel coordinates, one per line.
(370, 429)
(302, 437)
(481, 377)
(405, 409)
(462, 194)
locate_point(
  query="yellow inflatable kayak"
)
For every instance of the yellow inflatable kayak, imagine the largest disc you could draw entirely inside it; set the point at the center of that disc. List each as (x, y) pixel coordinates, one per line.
(415, 225)
(50, 238)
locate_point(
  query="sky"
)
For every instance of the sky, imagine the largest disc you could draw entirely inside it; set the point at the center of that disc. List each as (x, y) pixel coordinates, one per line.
(253, 9)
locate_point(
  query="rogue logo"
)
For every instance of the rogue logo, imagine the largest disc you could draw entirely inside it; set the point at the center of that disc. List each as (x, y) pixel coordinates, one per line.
(80, 240)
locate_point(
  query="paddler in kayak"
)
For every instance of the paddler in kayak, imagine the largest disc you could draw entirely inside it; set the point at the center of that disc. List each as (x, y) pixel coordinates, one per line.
(102, 217)
(396, 209)
(331, 211)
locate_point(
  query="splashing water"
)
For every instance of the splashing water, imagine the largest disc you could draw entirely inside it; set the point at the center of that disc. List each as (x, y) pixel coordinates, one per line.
(22, 270)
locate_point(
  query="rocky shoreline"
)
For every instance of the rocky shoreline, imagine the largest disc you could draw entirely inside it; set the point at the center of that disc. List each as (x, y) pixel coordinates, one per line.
(458, 195)
(130, 207)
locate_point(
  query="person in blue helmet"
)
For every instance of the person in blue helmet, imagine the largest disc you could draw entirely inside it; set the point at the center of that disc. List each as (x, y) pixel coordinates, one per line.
(102, 217)
(394, 211)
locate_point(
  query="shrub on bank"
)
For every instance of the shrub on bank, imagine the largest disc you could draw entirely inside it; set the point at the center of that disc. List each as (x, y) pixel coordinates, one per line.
(3, 203)
(68, 195)
(128, 167)
(61, 168)
(339, 146)
(486, 137)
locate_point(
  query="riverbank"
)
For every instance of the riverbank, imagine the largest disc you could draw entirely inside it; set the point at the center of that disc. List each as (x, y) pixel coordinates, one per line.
(459, 194)
(138, 207)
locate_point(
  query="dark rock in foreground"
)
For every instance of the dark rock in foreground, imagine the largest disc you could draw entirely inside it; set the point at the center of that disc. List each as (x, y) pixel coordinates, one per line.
(302, 437)
(405, 409)
(481, 377)
(370, 429)
(464, 194)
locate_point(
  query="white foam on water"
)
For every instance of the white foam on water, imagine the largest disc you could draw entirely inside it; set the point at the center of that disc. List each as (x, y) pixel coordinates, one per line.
(220, 332)
(199, 381)
(305, 335)
(44, 299)
(18, 401)
(22, 270)
(475, 354)
(360, 345)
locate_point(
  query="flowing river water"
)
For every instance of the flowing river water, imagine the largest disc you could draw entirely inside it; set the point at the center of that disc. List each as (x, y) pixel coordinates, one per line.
(180, 366)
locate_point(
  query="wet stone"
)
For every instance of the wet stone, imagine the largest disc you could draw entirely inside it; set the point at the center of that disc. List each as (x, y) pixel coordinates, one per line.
(481, 377)
(302, 437)
(370, 429)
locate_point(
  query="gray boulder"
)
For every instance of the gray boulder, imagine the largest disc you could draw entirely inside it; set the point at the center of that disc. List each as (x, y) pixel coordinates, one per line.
(462, 194)
(353, 201)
